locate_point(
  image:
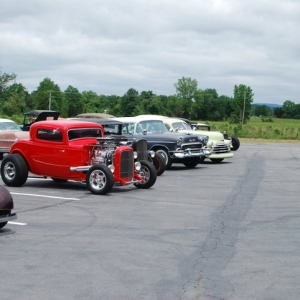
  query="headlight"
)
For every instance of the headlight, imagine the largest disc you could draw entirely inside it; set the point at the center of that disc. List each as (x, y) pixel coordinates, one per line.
(205, 140)
(152, 153)
(179, 141)
(137, 165)
(135, 155)
(112, 168)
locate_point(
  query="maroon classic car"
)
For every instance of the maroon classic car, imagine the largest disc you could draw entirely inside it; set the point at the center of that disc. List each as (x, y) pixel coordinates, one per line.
(6, 205)
(76, 150)
(10, 132)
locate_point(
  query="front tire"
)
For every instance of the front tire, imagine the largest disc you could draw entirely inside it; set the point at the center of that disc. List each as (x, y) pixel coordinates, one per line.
(216, 160)
(159, 163)
(191, 162)
(14, 170)
(167, 157)
(99, 179)
(148, 173)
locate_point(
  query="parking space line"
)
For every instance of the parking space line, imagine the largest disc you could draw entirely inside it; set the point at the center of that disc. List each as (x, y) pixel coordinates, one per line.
(45, 196)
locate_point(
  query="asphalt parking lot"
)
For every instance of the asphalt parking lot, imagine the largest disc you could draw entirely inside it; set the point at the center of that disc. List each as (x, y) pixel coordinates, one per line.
(219, 231)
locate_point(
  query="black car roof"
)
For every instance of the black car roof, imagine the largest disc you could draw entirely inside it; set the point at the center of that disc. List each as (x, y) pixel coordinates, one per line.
(100, 121)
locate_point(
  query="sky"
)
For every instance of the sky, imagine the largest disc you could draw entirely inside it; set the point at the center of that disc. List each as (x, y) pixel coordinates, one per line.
(111, 46)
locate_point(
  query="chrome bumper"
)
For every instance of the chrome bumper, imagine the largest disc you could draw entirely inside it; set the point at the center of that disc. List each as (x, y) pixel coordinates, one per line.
(8, 217)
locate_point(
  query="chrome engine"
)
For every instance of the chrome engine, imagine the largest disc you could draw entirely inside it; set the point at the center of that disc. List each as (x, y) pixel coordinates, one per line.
(104, 151)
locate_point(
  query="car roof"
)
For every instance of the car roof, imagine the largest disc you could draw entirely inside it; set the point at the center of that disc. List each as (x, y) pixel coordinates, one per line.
(172, 120)
(95, 115)
(65, 124)
(139, 118)
(112, 121)
(6, 120)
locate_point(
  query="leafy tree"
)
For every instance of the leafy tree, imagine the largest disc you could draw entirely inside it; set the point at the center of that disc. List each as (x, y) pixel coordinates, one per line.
(73, 101)
(261, 110)
(114, 105)
(48, 96)
(288, 109)
(243, 97)
(129, 103)
(186, 89)
(14, 99)
(5, 79)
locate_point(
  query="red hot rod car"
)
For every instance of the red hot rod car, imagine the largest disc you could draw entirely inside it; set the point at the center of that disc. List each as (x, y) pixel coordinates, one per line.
(67, 150)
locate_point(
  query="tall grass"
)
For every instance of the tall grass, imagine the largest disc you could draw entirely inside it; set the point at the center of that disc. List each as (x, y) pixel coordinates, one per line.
(257, 128)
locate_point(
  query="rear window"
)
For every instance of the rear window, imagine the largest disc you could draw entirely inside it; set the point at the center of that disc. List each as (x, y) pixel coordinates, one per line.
(83, 133)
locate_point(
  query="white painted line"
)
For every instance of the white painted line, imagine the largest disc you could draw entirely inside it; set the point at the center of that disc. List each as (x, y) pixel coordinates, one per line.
(17, 223)
(53, 197)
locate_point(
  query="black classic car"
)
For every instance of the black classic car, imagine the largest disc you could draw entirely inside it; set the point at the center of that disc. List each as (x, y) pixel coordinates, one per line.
(114, 128)
(183, 148)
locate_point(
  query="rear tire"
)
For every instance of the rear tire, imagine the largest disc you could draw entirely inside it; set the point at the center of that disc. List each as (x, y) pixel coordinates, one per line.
(148, 173)
(14, 170)
(159, 163)
(99, 179)
(235, 143)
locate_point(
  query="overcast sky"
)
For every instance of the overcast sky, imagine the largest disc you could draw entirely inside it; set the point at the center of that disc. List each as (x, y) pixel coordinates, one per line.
(110, 46)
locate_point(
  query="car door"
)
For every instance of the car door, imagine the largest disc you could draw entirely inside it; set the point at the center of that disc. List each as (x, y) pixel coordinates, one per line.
(50, 155)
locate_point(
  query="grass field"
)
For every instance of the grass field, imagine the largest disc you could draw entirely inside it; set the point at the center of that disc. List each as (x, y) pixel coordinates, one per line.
(279, 130)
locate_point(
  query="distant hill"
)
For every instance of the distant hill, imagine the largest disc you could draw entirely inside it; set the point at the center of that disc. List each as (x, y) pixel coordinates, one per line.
(272, 105)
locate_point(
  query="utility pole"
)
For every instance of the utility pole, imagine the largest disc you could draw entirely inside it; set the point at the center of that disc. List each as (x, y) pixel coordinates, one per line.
(50, 100)
(244, 107)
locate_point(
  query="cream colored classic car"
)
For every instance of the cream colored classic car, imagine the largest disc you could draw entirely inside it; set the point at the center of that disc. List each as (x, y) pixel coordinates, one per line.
(219, 147)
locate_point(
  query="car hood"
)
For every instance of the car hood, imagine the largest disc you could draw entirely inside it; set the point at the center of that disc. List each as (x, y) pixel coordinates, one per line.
(213, 135)
(170, 136)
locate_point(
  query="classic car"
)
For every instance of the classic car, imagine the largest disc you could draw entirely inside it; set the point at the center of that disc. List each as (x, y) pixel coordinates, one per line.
(9, 133)
(6, 206)
(33, 116)
(94, 115)
(75, 150)
(219, 147)
(235, 142)
(183, 148)
(113, 127)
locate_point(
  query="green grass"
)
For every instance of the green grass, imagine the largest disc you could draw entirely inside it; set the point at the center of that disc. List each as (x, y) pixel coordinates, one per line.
(277, 130)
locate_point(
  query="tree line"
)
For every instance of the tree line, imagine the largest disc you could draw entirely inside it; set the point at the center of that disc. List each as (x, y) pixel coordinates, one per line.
(188, 102)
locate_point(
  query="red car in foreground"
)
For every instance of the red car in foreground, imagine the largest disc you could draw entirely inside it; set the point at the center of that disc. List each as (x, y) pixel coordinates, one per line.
(67, 150)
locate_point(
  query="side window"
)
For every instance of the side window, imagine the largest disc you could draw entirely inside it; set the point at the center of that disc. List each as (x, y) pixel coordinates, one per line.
(49, 135)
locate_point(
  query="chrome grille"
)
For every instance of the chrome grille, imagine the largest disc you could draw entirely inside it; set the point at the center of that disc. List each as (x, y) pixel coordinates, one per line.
(220, 148)
(126, 165)
(192, 146)
(141, 148)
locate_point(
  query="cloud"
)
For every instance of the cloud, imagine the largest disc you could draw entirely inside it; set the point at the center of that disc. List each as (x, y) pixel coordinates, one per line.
(110, 46)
